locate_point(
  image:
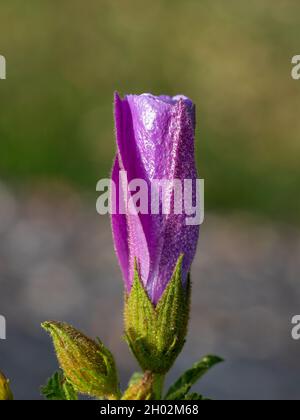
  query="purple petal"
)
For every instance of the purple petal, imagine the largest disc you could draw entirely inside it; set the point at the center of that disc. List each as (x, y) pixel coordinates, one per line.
(120, 231)
(155, 140)
(133, 235)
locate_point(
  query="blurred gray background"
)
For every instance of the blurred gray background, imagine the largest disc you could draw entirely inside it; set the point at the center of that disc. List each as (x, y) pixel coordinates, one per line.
(56, 262)
(233, 58)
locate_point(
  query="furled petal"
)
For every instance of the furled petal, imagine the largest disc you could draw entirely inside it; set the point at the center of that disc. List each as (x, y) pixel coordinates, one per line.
(129, 238)
(155, 140)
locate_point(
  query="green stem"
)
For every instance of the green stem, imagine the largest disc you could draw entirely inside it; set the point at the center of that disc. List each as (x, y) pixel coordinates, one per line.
(158, 384)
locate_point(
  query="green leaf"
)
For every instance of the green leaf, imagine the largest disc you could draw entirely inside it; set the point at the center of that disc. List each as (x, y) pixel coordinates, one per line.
(196, 397)
(58, 388)
(135, 378)
(181, 387)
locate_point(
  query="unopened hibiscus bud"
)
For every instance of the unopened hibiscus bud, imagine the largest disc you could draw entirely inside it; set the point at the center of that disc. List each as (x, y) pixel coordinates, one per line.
(5, 391)
(155, 142)
(87, 364)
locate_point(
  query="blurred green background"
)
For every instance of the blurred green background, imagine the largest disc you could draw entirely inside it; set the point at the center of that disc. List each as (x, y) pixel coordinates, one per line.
(233, 58)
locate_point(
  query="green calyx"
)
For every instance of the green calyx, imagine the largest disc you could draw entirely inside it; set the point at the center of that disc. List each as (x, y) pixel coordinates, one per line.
(87, 364)
(156, 334)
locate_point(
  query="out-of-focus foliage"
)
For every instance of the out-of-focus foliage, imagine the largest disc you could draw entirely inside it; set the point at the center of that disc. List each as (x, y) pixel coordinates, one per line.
(65, 59)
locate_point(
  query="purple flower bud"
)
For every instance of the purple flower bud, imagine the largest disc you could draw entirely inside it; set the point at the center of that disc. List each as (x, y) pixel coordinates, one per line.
(155, 141)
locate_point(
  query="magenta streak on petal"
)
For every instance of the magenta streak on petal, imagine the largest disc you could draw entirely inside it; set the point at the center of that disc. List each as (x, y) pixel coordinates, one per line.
(128, 161)
(120, 231)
